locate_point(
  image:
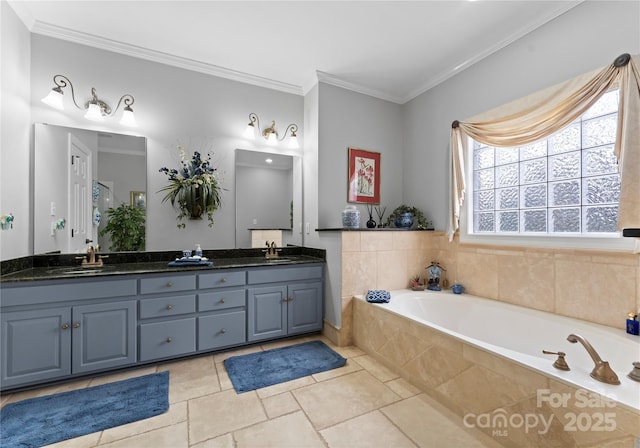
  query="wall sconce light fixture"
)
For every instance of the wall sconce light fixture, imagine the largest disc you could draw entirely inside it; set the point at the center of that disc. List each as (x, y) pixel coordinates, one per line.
(270, 134)
(96, 108)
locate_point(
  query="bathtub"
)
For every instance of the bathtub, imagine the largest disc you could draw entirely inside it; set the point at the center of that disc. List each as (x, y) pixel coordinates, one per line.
(520, 334)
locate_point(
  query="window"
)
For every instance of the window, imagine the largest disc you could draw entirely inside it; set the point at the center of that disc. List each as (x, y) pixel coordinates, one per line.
(565, 185)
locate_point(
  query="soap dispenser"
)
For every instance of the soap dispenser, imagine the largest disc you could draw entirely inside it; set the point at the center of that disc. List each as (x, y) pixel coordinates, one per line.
(198, 251)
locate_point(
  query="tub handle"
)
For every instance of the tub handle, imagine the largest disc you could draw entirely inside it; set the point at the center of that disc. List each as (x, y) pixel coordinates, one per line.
(560, 363)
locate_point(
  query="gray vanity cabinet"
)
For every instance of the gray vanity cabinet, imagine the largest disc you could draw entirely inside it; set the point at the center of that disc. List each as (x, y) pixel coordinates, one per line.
(49, 343)
(284, 301)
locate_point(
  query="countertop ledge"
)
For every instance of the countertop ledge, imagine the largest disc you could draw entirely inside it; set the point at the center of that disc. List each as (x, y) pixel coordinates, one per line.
(56, 271)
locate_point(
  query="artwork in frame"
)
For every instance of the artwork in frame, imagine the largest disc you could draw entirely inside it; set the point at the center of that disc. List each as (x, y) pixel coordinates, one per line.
(138, 199)
(364, 177)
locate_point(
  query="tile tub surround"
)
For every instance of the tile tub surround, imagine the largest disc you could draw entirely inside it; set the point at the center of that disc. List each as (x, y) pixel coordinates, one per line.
(596, 286)
(472, 382)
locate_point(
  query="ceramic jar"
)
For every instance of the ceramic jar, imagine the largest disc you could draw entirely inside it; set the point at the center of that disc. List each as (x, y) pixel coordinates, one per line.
(351, 217)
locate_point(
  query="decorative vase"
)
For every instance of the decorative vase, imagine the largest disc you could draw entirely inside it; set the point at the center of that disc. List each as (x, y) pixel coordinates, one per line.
(351, 217)
(195, 212)
(371, 224)
(404, 221)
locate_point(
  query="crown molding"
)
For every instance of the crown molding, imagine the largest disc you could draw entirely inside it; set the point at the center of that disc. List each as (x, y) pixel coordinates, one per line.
(336, 81)
(57, 32)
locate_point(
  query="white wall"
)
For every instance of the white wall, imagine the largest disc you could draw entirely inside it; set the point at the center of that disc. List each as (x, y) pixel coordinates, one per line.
(172, 106)
(587, 37)
(15, 134)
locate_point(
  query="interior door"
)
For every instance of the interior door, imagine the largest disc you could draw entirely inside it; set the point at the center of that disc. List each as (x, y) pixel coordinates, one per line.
(80, 228)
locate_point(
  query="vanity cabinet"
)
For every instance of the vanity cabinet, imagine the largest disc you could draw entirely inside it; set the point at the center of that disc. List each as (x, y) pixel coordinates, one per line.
(284, 302)
(55, 329)
(55, 342)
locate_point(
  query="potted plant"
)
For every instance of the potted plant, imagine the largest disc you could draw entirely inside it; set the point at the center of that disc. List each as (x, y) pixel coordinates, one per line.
(415, 283)
(126, 228)
(396, 217)
(194, 189)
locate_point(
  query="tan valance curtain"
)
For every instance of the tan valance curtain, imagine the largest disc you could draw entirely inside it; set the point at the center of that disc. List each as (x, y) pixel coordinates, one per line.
(540, 115)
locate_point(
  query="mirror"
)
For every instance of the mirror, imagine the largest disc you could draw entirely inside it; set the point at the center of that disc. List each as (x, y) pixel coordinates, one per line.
(78, 175)
(268, 198)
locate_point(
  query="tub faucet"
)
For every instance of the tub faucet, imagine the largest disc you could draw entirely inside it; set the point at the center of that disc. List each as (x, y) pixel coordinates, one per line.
(602, 371)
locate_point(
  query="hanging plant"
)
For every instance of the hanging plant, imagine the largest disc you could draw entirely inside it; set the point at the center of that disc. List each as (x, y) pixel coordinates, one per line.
(194, 189)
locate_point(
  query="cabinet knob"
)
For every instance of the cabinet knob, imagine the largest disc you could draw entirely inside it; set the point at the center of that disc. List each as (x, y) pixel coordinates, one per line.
(65, 326)
(168, 307)
(169, 340)
(221, 300)
(223, 280)
(169, 284)
(223, 331)
(76, 325)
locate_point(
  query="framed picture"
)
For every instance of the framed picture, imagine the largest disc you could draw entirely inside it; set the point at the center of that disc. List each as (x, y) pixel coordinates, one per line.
(364, 177)
(138, 199)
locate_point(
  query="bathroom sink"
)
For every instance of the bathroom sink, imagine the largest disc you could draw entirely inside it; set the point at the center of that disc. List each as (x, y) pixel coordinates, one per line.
(79, 270)
(278, 260)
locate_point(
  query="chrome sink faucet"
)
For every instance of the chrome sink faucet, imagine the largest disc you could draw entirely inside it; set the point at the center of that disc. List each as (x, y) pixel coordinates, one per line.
(92, 259)
(602, 371)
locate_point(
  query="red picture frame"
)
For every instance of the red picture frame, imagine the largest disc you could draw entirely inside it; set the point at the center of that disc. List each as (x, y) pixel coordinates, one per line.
(363, 184)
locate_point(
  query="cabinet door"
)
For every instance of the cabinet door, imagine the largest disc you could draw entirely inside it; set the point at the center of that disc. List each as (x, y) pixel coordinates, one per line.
(304, 307)
(267, 313)
(36, 345)
(104, 336)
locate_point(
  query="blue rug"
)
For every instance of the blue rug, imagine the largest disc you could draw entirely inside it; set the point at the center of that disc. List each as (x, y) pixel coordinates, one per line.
(44, 420)
(250, 372)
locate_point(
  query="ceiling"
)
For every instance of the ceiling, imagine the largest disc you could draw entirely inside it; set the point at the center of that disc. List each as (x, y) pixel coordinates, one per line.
(394, 50)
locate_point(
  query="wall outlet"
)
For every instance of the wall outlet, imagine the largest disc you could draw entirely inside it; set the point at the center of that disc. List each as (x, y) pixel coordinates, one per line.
(53, 208)
(307, 228)
(255, 221)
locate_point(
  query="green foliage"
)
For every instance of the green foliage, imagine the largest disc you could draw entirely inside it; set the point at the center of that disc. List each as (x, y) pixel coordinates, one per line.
(419, 220)
(126, 228)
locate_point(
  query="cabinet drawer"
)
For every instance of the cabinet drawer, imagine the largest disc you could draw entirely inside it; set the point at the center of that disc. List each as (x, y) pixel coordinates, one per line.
(167, 283)
(221, 330)
(164, 339)
(221, 300)
(167, 306)
(280, 274)
(221, 279)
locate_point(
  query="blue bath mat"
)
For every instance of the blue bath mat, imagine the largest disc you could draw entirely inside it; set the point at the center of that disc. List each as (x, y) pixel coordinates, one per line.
(44, 420)
(256, 370)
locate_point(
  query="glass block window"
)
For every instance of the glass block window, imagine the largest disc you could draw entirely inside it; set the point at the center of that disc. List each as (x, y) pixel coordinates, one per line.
(566, 184)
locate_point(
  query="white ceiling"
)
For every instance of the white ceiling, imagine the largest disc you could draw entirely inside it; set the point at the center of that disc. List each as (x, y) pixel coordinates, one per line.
(393, 50)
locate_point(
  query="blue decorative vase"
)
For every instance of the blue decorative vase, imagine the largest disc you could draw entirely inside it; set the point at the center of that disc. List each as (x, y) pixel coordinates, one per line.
(404, 221)
(351, 217)
(457, 289)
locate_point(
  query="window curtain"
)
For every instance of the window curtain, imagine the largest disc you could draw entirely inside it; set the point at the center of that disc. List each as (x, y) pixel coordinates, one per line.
(540, 115)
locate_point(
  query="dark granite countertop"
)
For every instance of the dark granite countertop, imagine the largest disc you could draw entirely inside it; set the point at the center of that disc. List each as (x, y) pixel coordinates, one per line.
(52, 267)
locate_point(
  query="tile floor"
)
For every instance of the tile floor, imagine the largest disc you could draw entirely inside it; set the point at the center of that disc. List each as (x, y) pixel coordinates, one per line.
(362, 404)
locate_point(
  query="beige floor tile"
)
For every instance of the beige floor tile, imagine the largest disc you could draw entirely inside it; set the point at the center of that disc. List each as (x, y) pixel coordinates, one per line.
(429, 424)
(226, 411)
(280, 405)
(225, 441)
(288, 431)
(403, 387)
(223, 377)
(369, 430)
(48, 390)
(376, 368)
(170, 436)
(124, 375)
(284, 387)
(219, 357)
(349, 367)
(191, 378)
(348, 351)
(339, 399)
(177, 413)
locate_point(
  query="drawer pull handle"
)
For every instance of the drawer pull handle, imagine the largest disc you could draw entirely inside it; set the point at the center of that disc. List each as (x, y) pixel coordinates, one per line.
(169, 340)
(221, 300)
(288, 299)
(76, 325)
(223, 331)
(169, 284)
(65, 326)
(168, 307)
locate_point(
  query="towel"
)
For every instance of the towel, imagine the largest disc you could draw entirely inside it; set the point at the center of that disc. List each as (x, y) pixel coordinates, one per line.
(378, 296)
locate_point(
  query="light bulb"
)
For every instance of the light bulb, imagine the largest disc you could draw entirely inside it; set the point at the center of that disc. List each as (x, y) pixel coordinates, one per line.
(250, 132)
(272, 140)
(128, 119)
(293, 142)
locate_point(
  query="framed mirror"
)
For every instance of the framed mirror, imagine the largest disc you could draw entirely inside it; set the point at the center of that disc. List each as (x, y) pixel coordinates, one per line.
(268, 198)
(78, 175)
